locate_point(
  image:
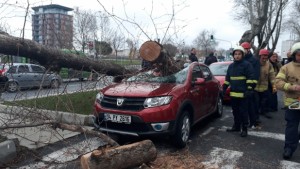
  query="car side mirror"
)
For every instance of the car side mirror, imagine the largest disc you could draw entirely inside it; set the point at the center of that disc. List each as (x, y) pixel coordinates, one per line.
(199, 81)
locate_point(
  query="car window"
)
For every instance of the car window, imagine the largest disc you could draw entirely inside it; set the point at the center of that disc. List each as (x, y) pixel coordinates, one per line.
(197, 73)
(206, 72)
(23, 69)
(12, 69)
(37, 69)
(148, 76)
(219, 69)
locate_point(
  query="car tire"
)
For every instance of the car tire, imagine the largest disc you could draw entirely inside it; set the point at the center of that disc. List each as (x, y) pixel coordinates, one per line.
(54, 84)
(12, 87)
(219, 109)
(183, 130)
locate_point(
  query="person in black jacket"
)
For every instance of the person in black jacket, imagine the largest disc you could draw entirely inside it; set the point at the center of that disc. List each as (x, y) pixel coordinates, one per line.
(240, 77)
(193, 57)
(210, 59)
(253, 116)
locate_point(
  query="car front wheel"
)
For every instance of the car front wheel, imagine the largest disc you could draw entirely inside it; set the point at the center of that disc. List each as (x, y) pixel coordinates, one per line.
(219, 108)
(54, 84)
(12, 87)
(183, 129)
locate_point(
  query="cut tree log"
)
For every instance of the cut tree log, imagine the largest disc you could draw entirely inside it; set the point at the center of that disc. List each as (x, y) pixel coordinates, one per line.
(55, 59)
(154, 53)
(126, 156)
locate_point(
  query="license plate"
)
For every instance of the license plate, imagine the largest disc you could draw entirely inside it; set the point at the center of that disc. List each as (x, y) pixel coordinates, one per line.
(117, 118)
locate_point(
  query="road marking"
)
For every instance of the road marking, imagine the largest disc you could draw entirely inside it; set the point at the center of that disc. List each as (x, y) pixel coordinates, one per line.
(68, 153)
(223, 158)
(289, 165)
(262, 134)
(206, 131)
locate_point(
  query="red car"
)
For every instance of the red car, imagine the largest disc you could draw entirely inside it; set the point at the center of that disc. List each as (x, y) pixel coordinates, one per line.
(145, 104)
(219, 70)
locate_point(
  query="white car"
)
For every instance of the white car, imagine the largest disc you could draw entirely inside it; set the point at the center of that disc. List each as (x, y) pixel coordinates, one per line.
(25, 75)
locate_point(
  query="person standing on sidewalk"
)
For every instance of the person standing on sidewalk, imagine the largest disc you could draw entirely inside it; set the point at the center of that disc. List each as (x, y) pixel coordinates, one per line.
(267, 75)
(272, 98)
(253, 116)
(240, 78)
(288, 80)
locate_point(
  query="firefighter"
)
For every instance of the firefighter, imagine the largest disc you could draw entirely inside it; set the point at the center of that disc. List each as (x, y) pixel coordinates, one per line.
(288, 80)
(253, 116)
(267, 74)
(240, 78)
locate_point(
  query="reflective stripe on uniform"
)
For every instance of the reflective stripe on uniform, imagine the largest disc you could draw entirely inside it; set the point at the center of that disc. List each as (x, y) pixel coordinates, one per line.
(254, 81)
(236, 94)
(238, 78)
(286, 86)
(249, 87)
(289, 101)
(226, 82)
(261, 88)
(280, 75)
(249, 81)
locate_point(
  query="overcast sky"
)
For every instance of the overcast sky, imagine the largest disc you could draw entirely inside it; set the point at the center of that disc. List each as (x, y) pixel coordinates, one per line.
(194, 15)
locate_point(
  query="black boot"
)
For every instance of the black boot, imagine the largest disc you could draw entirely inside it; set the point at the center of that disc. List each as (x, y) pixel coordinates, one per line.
(234, 128)
(244, 132)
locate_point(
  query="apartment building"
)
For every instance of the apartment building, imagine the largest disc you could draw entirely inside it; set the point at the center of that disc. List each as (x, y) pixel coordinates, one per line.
(53, 26)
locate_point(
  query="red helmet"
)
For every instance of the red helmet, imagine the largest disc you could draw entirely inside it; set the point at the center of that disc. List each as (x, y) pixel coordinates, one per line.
(246, 45)
(263, 52)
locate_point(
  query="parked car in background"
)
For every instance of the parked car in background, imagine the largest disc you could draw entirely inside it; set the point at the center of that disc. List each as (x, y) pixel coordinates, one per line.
(25, 75)
(146, 104)
(219, 70)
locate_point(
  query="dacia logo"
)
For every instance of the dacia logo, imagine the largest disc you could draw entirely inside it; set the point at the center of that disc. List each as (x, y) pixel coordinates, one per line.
(120, 101)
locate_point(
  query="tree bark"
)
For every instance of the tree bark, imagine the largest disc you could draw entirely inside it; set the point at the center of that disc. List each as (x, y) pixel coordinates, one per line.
(121, 157)
(54, 59)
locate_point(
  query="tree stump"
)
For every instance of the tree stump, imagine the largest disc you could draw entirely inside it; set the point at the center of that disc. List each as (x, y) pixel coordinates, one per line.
(121, 157)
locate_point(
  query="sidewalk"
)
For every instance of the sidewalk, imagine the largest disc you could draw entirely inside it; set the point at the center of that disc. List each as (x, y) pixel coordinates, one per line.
(37, 136)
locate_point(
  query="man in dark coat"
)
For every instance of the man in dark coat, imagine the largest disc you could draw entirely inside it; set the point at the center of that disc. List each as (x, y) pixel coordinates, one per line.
(193, 57)
(210, 59)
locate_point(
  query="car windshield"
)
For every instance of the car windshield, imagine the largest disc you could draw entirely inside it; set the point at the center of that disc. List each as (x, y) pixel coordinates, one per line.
(148, 76)
(219, 69)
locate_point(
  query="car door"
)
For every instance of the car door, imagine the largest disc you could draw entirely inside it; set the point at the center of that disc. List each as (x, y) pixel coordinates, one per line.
(23, 76)
(212, 88)
(40, 78)
(198, 93)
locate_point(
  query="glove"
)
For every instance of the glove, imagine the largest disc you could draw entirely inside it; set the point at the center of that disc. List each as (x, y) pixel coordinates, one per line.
(249, 93)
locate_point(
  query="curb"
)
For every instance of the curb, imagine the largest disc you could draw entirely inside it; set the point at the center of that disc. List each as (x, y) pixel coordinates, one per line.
(8, 149)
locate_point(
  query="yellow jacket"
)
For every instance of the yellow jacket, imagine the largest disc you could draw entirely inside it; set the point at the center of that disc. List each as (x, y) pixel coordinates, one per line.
(287, 77)
(266, 74)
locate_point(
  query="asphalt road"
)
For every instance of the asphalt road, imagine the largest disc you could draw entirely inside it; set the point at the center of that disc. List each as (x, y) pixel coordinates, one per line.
(262, 149)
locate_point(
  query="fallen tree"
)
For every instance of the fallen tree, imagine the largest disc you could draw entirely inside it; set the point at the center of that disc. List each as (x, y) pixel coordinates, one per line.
(55, 59)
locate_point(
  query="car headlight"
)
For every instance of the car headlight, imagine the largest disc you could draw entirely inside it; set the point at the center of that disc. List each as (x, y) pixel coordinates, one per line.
(157, 101)
(99, 97)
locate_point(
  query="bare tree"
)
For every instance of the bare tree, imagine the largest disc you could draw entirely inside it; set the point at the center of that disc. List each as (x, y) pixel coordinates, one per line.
(85, 28)
(293, 22)
(204, 42)
(264, 18)
(117, 41)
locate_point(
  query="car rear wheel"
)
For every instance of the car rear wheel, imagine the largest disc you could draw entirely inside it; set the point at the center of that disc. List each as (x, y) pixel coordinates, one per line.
(219, 108)
(183, 129)
(54, 84)
(12, 87)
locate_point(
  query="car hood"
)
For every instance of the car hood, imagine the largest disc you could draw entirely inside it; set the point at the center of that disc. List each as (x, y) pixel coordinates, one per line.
(221, 79)
(130, 89)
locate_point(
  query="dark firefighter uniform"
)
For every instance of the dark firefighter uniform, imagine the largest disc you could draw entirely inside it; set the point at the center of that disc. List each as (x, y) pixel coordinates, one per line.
(239, 77)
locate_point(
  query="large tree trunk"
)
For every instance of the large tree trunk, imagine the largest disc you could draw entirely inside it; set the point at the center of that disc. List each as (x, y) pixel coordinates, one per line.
(159, 58)
(54, 58)
(121, 157)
